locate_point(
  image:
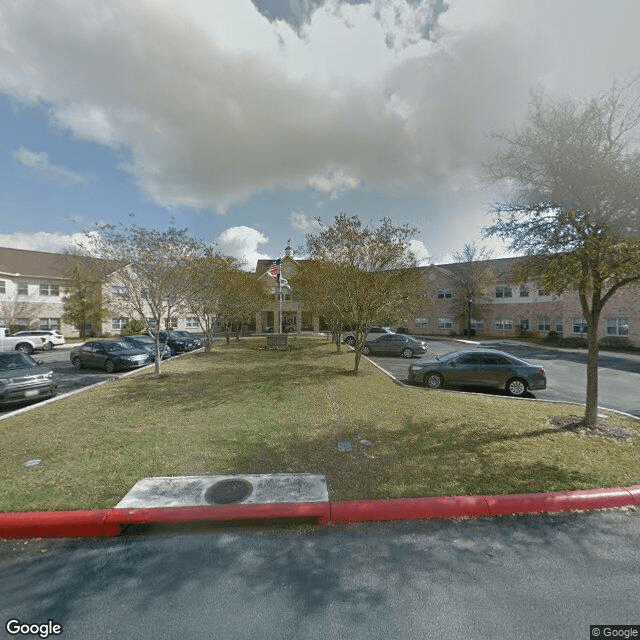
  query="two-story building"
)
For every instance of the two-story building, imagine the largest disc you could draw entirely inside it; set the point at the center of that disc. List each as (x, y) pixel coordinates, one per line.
(32, 290)
(501, 306)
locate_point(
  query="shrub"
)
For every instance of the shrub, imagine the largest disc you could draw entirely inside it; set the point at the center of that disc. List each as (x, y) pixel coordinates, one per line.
(134, 326)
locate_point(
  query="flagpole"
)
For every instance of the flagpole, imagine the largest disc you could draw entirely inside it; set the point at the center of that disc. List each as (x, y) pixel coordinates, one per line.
(280, 299)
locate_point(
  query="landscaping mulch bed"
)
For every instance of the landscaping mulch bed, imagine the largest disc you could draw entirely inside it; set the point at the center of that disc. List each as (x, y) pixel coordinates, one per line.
(604, 428)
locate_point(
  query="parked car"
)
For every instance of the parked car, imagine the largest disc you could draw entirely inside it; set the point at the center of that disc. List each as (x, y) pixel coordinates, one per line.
(190, 336)
(22, 378)
(147, 343)
(371, 333)
(54, 337)
(394, 344)
(481, 368)
(110, 355)
(176, 342)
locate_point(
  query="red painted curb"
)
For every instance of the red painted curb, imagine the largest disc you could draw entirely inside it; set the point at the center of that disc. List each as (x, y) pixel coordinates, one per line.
(55, 524)
(318, 511)
(110, 522)
(408, 509)
(582, 500)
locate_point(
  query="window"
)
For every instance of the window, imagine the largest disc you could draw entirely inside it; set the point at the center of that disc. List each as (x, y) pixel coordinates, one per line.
(618, 326)
(542, 293)
(421, 323)
(49, 290)
(444, 293)
(151, 322)
(423, 294)
(50, 324)
(504, 324)
(2, 287)
(173, 323)
(543, 323)
(559, 328)
(192, 322)
(524, 292)
(445, 323)
(23, 289)
(119, 291)
(579, 324)
(477, 324)
(503, 292)
(23, 323)
(118, 324)
(524, 324)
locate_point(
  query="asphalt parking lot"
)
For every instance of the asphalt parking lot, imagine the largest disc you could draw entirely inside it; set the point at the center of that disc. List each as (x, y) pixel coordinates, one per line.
(619, 373)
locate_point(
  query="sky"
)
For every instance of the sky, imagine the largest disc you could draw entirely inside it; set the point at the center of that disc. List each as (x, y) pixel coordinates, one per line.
(246, 120)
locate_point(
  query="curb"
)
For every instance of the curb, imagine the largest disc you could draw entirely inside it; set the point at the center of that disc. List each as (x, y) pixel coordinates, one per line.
(105, 523)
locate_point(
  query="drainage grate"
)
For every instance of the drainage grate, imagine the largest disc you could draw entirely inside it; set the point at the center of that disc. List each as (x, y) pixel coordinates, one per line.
(228, 491)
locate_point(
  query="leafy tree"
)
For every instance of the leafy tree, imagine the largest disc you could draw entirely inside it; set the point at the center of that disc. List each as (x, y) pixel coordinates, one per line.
(471, 280)
(365, 273)
(313, 283)
(574, 203)
(150, 281)
(222, 294)
(85, 303)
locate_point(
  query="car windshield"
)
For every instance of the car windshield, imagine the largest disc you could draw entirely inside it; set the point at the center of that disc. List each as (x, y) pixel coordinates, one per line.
(116, 346)
(10, 361)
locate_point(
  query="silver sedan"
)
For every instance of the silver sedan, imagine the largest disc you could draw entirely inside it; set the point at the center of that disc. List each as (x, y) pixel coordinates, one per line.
(479, 368)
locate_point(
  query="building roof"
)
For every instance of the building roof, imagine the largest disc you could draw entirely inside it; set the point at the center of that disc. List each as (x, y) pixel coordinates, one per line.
(34, 264)
(502, 267)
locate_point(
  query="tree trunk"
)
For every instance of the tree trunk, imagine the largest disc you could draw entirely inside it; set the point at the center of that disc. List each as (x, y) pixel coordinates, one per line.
(591, 411)
(158, 354)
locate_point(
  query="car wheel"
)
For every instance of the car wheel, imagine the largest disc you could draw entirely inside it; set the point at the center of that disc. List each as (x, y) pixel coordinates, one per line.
(109, 366)
(366, 350)
(24, 347)
(350, 340)
(48, 346)
(407, 353)
(433, 380)
(516, 387)
(77, 363)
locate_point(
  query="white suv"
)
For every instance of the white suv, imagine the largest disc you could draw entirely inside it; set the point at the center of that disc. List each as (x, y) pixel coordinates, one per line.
(371, 334)
(53, 336)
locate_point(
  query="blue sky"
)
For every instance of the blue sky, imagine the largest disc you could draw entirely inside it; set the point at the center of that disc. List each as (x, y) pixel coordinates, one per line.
(245, 120)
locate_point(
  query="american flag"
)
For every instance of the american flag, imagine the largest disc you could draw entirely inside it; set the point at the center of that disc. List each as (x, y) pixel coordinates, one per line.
(274, 269)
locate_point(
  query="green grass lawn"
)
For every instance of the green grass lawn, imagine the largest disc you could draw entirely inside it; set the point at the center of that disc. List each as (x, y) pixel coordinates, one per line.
(241, 409)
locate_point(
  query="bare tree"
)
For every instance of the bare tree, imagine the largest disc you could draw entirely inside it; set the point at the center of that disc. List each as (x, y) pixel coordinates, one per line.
(574, 203)
(366, 273)
(150, 281)
(471, 278)
(222, 294)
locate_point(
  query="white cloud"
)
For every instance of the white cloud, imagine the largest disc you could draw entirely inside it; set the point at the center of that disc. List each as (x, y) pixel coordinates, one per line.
(301, 222)
(212, 103)
(243, 242)
(420, 251)
(333, 182)
(41, 241)
(40, 163)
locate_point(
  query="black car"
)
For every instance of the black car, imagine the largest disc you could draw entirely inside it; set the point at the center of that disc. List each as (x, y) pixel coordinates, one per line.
(199, 342)
(146, 342)
(110, 355)
(176, 342)
(22, 378)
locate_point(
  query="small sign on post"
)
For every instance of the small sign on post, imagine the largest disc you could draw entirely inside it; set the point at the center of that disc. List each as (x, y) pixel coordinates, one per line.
(274, 342)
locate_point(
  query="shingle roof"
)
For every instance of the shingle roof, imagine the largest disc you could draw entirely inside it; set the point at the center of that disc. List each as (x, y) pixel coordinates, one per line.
(36, 264)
